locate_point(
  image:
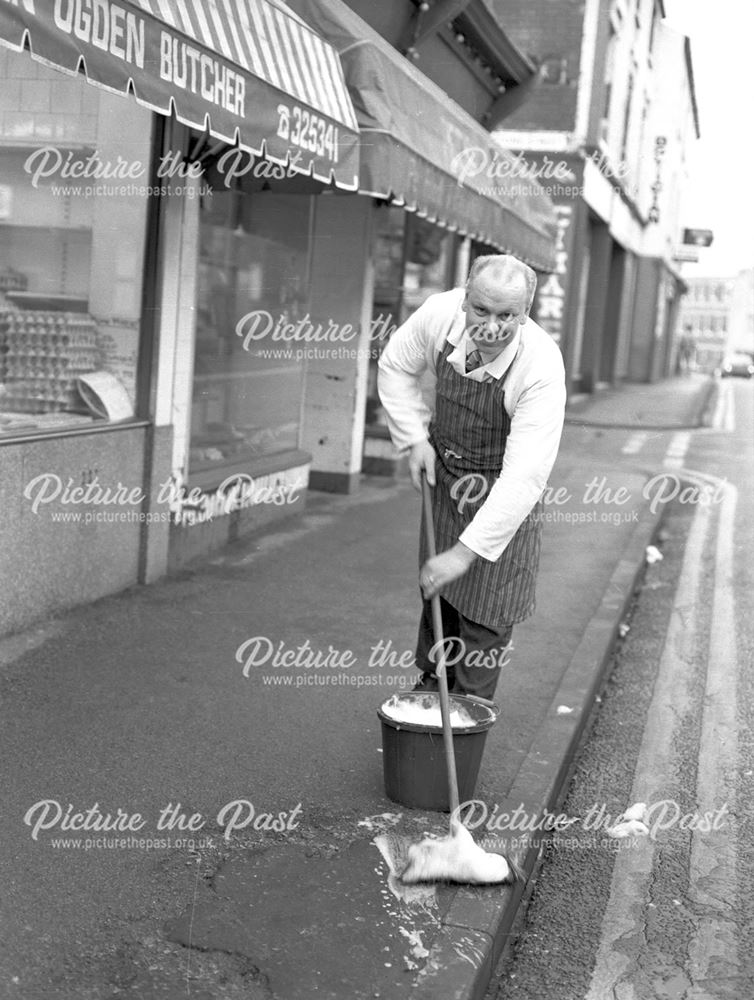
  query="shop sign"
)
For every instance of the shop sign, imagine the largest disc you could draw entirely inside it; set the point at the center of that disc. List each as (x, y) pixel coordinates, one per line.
(119, 343)
(6, 201)
(654, 209)
(130, 47)
(687, 254)
(698, 237)
(664, 294)
(238, 492)
(551, 295)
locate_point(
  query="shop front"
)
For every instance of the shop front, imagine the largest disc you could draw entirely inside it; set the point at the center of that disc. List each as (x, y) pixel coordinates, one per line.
(559, 304)
(659, 290)
(142, 248)
(434, 191)
(247, 247)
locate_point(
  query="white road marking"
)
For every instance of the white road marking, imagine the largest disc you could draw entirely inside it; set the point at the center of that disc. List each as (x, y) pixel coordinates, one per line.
(713, 866)
(677, 449)
(718, 415)
(724, 417)
(730, 413)
(635, 443)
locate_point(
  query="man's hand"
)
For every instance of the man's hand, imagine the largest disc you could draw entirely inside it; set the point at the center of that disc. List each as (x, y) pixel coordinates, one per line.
(445, 567)
(421, 456)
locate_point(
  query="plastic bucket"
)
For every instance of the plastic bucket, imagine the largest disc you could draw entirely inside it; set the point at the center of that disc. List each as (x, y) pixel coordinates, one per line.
(413, 755)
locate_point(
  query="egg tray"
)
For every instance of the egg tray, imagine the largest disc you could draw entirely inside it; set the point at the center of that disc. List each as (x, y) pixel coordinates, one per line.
(41, 355)
(12, 281)
(32, 398)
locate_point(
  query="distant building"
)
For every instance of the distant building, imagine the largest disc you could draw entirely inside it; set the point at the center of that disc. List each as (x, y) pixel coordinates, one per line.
(717, 313)
(608, 124)
(741, 321)
(705, 319)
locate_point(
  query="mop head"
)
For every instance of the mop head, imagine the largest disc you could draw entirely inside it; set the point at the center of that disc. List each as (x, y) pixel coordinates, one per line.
(455, 858)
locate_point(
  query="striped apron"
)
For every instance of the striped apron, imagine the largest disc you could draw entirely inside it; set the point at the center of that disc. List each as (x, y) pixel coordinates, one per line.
(468, 431)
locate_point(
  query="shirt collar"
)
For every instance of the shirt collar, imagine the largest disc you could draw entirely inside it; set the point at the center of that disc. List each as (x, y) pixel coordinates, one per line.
(463, 346)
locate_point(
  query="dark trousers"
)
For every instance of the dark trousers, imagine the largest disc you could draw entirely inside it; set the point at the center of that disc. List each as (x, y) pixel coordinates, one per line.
(474, 653)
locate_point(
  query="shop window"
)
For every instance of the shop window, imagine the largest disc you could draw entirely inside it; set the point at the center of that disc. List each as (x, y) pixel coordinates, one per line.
(389, 261)
(429, 263)
(253, 288)
(413, 260)
(74, 189)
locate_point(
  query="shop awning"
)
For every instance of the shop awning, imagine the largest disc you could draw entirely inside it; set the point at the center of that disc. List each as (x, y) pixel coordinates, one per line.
(421, 150)
(251, 72)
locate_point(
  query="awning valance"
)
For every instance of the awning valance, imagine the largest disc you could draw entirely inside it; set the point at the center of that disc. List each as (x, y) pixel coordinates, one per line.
(251, 72)
(422, 150)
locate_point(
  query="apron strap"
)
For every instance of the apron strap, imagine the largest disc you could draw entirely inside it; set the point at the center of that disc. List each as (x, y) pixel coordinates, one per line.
(444, 342)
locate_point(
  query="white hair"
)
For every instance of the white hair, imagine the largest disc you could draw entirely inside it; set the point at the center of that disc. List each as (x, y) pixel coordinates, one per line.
(505, 264)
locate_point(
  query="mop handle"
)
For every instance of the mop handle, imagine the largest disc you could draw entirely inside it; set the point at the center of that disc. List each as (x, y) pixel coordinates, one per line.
(440, 670)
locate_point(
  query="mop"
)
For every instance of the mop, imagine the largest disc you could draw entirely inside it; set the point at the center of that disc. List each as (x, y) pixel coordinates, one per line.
(457, 857)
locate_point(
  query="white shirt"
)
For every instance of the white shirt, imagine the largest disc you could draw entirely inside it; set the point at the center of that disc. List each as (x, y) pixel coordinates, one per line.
(535, 399)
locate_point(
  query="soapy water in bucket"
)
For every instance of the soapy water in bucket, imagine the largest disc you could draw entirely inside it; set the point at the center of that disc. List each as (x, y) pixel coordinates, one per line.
(425, 711)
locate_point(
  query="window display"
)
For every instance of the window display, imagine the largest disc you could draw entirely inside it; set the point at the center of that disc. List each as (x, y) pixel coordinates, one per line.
(71, 244)
(45, 351)
(253, 285)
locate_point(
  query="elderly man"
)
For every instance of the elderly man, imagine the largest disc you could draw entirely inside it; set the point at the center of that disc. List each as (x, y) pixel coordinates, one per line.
(487, 449)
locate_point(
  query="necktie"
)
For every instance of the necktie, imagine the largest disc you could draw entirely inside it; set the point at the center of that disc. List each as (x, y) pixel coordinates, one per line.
(473, 361)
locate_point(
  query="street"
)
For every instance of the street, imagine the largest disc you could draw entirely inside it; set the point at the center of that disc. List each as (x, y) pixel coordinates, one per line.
(264, 266)
(669, 913)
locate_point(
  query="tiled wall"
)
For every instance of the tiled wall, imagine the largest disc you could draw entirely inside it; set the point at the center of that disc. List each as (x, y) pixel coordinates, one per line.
(42, 104)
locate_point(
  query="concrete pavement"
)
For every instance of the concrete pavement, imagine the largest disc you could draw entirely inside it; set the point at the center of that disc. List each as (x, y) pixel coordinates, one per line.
(663, 405)
(244, 693)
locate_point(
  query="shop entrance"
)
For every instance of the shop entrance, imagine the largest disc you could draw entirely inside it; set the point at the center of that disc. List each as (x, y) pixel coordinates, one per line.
(252, 297)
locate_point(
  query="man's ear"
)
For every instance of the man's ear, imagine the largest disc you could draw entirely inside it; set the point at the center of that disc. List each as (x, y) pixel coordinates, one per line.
(465, 303)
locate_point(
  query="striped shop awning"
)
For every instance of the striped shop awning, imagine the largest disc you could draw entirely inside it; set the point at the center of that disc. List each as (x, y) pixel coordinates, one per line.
(251, 72)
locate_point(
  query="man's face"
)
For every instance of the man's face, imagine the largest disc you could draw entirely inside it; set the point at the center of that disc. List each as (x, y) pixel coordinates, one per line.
(495, 307)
